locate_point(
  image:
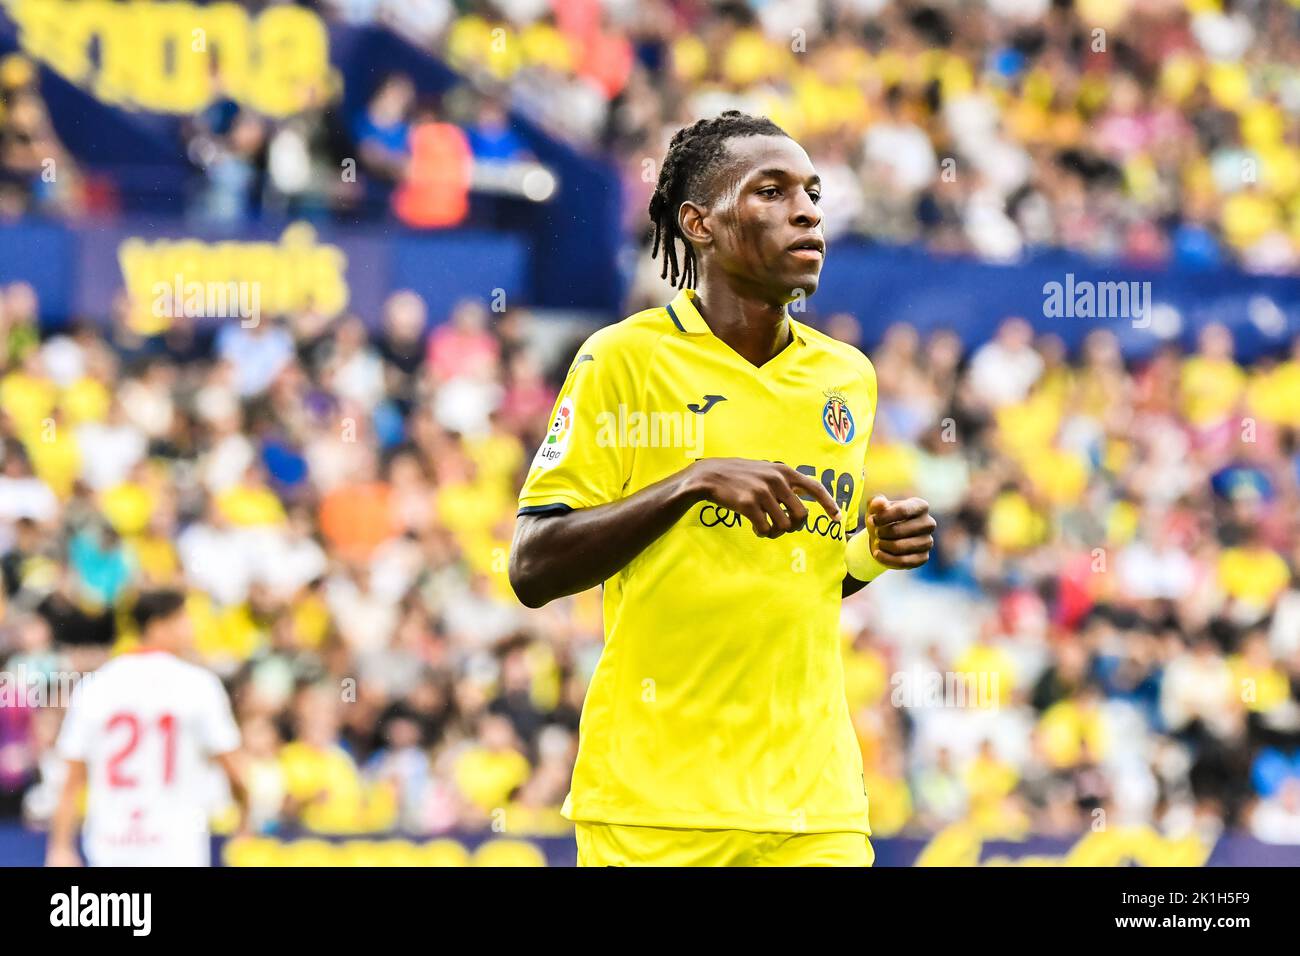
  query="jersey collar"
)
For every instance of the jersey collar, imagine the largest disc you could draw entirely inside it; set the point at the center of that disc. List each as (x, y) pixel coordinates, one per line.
(687, 318)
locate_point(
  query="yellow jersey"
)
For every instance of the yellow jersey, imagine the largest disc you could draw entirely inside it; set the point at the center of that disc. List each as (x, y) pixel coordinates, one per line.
(719, 698)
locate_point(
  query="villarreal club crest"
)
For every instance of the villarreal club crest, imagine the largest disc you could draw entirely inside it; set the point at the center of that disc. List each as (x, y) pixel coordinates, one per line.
(837, 418)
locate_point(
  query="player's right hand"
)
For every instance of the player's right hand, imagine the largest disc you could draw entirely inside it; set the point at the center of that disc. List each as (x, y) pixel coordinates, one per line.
(62, 856)
(765, 492)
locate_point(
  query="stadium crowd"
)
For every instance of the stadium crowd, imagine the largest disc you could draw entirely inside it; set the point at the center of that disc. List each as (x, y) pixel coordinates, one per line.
(1110, 629)
(1143, 130)
(1112, 616)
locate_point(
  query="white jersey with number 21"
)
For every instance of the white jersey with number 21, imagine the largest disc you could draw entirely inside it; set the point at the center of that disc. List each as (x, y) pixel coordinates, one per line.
(147, 725)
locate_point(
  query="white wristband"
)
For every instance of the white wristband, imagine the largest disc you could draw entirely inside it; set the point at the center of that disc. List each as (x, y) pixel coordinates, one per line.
(862, 565)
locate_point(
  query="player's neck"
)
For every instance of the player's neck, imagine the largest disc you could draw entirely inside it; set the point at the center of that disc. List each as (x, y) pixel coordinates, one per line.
(757, 331)
(151, 647)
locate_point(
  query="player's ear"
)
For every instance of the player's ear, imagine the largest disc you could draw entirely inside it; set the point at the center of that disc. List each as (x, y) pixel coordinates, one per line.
(694, 223)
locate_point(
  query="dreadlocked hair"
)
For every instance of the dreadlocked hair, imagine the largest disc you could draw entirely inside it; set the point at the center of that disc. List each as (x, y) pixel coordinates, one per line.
(692, 156)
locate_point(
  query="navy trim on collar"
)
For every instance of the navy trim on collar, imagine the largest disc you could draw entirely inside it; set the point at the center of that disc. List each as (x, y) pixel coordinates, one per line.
(672, 314)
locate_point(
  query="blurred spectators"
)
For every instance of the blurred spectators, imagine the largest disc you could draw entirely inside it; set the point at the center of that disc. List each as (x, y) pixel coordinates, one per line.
(1112, 610)
(1110, 615)
(1152, 132)
(37, 174)
(1140, 131)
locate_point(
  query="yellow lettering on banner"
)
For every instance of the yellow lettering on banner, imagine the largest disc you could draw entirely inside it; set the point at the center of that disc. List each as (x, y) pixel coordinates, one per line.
(443, 852)
(228, 34)
(1022, 861)
(250, 851)
(293, 67)
(1140, 845)
(121, 50)
(368, 853)
(961, 845)
(310, 852)
(958, 845)
(163, 55)
(51, 37)
(165, 74)
(519, 853)
(296, 273)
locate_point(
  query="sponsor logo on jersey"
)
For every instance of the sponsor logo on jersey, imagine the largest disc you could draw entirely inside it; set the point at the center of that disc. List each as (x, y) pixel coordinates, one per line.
(709, 402)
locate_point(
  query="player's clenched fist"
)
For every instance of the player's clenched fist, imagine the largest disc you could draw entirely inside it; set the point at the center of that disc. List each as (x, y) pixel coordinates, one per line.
(902, 532)
(765, 492)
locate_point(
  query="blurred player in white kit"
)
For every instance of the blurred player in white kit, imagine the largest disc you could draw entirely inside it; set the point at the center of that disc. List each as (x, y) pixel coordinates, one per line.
(141, 734)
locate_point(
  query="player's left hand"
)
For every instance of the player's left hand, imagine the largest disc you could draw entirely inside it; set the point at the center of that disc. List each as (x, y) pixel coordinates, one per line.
(902, 532)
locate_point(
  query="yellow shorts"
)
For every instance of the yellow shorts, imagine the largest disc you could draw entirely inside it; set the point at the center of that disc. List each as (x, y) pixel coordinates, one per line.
(607, 844)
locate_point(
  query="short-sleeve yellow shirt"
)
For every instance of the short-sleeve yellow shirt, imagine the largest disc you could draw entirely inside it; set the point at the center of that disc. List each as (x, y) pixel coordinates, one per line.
(719, 698)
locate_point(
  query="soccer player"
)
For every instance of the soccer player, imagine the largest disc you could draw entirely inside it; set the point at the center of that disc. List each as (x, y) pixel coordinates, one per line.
(140, 733)
(703, 462)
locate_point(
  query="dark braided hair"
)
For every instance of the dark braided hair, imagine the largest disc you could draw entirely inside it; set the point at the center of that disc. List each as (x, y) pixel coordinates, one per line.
(692, 158)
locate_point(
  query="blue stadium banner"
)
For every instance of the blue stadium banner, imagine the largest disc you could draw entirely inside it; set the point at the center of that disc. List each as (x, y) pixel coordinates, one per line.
(78, 271)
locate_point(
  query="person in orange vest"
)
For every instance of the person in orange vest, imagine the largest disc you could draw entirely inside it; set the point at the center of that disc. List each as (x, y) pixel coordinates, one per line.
(435, 190)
